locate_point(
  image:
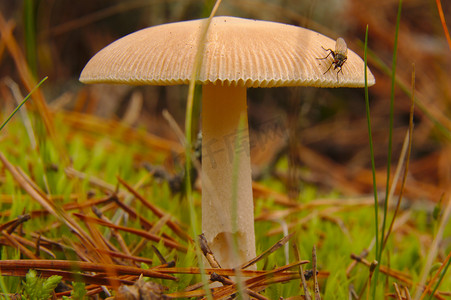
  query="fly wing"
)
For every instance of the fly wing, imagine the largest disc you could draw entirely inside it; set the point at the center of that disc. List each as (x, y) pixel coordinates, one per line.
(341, 48)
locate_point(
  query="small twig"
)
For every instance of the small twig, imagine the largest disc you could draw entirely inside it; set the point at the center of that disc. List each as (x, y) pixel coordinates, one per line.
(38, 246)
(13, 224)
(37, 195)
(106, 244)
(30, 244)
(226, 281)
(373, 267)
(221, 279)
(352, 265)
(406, 291)
(255, 281)
(397, 291)
(154, 230)
(352, 292)
(159, 255)
(443, 21)
(150, 236)
(12, 266)
(389, 272)
(157, 211)
(71, 172)
(91, 289)
(126, 256)
(301, 273)
(120, 240)
(207, 252)
(15, 243)
(132, 213)
(315, 278)
(273, 248)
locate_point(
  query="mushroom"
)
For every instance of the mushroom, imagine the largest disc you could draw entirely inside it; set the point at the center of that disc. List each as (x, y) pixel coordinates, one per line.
(238, 53)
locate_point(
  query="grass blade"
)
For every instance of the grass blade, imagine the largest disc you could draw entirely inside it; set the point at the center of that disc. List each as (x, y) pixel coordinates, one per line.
(433, 251)
(188, 136)
(390, 134)
(407, 159)
(373, 165)
(30, 35)
(22, 103)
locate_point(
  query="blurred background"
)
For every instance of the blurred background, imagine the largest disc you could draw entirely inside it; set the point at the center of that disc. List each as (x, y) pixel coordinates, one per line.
(322, 133)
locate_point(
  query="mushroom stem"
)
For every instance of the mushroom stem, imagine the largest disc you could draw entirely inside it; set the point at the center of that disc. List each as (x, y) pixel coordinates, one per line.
(224, 120)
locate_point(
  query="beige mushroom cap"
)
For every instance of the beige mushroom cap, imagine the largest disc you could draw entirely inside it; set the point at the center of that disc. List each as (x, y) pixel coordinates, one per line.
(238, 52)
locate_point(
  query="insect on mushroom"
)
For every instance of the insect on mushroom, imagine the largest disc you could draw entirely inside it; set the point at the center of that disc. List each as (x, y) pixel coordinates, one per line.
(340, 55)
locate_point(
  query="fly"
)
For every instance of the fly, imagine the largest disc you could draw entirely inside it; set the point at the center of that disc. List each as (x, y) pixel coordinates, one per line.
(340, 55)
